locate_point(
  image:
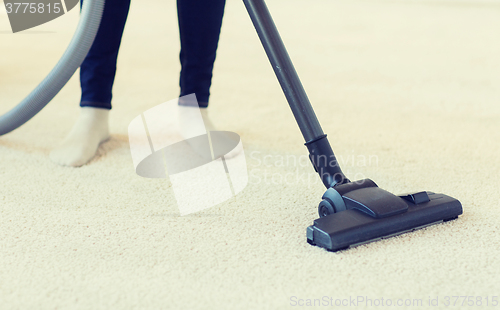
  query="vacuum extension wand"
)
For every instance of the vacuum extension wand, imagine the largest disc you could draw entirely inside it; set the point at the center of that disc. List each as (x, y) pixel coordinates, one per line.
(320, 151)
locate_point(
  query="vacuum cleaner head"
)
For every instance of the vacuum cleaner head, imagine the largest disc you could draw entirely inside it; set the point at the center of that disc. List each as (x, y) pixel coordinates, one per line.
(360, 212)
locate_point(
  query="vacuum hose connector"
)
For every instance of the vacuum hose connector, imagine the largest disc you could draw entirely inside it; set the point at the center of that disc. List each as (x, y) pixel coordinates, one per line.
(70, 61)
(325, 163)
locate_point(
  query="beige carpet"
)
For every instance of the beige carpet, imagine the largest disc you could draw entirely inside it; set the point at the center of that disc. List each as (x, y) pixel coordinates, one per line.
(408, 92)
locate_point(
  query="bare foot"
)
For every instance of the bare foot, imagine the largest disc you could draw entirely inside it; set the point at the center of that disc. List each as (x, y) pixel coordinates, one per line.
(189, 118)
(80, 146)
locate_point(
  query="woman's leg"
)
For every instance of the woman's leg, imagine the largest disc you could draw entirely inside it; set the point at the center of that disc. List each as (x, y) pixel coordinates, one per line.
(200, 22)
(97, 72)
(97, 75)
(199, 27)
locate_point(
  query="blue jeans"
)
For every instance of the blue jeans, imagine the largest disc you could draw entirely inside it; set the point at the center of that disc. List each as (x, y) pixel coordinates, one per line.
(199, 27)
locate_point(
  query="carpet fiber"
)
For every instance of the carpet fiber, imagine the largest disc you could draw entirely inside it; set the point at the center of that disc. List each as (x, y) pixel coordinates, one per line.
(408, 92)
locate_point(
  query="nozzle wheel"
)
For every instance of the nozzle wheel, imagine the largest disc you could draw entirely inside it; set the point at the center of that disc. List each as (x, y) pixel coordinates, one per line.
(325, 208)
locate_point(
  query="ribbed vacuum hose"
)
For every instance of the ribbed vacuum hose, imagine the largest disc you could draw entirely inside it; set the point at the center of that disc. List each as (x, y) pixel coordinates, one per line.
(70, 61)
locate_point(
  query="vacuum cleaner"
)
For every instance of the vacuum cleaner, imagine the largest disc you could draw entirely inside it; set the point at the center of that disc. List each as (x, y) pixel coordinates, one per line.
(351, 213)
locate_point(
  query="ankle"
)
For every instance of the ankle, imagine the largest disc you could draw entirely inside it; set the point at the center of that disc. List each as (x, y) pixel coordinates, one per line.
(97, 114)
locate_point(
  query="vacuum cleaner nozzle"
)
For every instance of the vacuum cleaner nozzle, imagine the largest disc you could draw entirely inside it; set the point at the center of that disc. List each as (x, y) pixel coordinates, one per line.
(360, 212)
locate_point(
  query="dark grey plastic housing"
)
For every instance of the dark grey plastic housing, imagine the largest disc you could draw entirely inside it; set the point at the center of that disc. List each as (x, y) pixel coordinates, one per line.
(352, 227)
